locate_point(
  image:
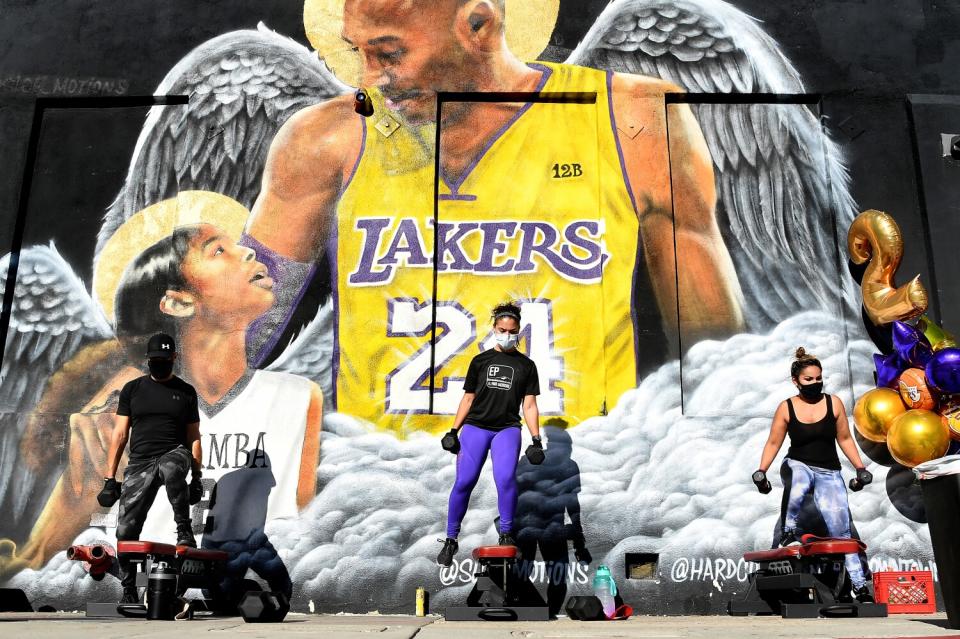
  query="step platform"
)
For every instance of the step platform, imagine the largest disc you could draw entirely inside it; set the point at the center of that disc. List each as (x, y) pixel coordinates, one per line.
(808, 580)
(500, 593)
(196, 568)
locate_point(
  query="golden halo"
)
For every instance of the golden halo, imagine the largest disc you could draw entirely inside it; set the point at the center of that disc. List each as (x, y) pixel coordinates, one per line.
(529, 26)
(152, 224)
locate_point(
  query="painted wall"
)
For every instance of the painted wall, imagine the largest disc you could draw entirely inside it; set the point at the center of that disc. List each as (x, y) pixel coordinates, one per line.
(665, 470)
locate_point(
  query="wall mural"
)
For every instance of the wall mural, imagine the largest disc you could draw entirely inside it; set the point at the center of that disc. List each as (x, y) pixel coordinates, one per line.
(668, 260)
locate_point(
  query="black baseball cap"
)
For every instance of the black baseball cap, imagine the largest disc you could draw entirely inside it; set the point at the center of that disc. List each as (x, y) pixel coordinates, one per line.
(161, 345)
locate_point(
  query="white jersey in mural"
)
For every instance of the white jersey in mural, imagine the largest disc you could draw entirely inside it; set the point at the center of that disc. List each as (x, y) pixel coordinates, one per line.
(251, 449)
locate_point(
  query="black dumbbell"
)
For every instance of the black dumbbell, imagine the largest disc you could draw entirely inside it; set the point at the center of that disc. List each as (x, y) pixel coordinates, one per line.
(761, 481)
(258, 606)
(450, 442)
(585, 608)
(864, 477)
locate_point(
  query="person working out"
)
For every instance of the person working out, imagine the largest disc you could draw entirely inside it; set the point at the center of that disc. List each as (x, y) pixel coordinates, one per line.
(814, 420)
(499, 380)
(158, 414)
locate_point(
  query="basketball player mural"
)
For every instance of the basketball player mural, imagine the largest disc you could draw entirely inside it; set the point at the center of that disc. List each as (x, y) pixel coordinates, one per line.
(554, 203)
(607, 211)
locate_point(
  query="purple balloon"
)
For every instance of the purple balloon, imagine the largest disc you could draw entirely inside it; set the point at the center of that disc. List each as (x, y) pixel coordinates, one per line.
(889, 368)
(911, 344)
(943, 370)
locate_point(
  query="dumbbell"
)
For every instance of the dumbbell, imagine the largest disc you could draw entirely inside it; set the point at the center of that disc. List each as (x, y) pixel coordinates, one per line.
(761, 481)
(258, 606)
(864, 477)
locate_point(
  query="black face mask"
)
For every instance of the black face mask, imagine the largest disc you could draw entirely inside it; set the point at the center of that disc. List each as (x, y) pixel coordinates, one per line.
(160, 368)
(811, 391)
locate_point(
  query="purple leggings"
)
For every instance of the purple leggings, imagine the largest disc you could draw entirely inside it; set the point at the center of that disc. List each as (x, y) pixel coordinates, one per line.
(474, 444)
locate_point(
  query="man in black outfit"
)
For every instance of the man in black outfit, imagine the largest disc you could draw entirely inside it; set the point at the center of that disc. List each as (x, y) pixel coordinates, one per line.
(160, 410)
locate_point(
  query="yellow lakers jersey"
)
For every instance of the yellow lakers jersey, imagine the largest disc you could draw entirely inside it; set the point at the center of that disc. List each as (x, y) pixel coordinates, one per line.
(543, 215)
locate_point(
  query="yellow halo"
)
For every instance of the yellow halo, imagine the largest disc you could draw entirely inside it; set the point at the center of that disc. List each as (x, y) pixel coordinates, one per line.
(152, 224)
(529, 26)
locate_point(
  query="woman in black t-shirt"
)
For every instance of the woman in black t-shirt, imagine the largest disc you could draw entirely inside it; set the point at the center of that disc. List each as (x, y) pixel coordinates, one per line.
(499, 381)
(816, 422)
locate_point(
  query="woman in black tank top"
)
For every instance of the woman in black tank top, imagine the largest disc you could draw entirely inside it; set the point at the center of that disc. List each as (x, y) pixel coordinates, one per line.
(816, 423)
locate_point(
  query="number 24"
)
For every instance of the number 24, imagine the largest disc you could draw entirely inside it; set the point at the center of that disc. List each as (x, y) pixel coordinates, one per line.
(406, 388)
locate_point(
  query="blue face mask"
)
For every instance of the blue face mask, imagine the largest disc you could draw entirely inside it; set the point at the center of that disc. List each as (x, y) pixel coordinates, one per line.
(507, 341)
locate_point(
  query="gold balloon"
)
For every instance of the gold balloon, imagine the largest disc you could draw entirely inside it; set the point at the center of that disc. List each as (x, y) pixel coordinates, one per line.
(938, 338)
(875, 411)
(918, 436)
(875, 237)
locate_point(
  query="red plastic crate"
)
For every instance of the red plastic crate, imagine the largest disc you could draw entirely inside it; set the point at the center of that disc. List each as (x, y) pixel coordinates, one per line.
(905, 592)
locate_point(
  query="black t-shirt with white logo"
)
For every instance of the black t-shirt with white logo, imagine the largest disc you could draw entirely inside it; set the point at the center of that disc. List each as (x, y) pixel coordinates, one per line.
(500, 379)
(159, 413)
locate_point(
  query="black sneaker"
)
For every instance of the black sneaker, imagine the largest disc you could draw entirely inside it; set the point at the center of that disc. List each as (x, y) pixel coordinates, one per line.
(130, 596)
(185, 537)
(450, 547)
(506, 539)
(789, 538)
(862, 594)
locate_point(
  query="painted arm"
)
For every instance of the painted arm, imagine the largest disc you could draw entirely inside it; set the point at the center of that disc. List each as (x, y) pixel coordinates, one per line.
(307, 167)
(292, 218)
(118, 442)
(69, 507)
(531, 415)
(463, 410)
(673, 185)
(778, 432)
(310, 456)
(844, 437)
(196, 450)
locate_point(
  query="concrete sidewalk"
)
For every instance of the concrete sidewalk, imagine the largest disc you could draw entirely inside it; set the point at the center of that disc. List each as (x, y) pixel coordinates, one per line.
(59, 625)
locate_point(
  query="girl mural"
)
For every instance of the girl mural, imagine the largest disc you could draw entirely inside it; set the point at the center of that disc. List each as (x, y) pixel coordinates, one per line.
(196, 283)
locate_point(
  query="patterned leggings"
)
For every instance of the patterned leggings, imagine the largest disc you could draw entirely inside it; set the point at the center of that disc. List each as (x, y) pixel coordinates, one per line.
(141, 481)
(830, 496)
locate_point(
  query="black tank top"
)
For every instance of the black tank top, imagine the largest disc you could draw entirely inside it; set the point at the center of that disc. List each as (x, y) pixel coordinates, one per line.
(814, 444)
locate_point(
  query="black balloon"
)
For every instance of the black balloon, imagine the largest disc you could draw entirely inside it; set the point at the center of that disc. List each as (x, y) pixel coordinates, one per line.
(881, 336)
(904, 492)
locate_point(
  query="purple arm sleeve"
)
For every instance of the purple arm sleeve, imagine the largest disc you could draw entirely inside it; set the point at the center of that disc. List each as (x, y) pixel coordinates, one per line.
(290, 280)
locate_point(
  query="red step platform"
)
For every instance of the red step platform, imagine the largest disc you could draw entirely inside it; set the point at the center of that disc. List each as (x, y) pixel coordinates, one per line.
(804, 581)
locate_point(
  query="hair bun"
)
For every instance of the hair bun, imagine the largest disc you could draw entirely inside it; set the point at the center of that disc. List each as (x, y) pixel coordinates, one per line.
(801, 353)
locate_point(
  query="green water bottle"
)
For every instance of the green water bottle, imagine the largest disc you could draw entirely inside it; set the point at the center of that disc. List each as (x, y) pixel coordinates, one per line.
(605, 589)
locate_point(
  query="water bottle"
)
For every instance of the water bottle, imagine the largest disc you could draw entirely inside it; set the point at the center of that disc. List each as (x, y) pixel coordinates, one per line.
(162, 592)
(605, 589)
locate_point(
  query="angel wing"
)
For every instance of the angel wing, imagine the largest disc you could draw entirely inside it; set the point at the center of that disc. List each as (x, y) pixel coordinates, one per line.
(781, 183)
(52, 318)
(243, 86)
(309, 354)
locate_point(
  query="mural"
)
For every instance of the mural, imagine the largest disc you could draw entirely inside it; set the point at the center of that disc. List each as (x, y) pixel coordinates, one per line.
(668, 259)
